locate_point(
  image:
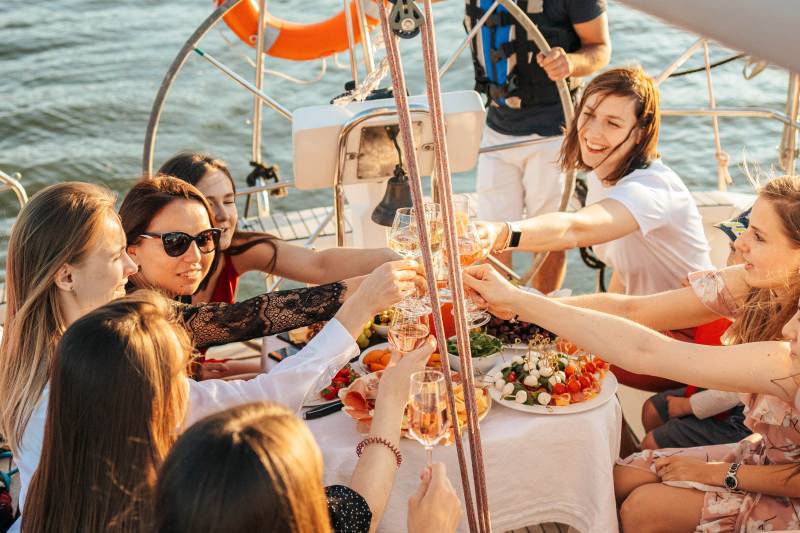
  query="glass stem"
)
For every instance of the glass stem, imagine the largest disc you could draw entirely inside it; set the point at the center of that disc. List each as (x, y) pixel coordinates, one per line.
(429, 454)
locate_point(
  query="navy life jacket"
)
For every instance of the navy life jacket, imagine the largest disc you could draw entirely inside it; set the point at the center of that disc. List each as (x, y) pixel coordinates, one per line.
(505, 58)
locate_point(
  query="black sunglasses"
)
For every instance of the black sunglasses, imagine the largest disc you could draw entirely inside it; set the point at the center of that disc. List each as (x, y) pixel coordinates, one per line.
(177, 242)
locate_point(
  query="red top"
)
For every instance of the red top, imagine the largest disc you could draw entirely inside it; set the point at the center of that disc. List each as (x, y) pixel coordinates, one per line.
(227, 282)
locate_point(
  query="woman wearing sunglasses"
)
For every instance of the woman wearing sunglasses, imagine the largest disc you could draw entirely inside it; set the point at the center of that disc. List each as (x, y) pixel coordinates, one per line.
(245, 251)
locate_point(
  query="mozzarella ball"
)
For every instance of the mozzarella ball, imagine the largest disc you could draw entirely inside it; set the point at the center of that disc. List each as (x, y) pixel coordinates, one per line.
(546, 371)
(499, 383)
(544, 398)
(521, 396)
(508, 389)
(531, 380)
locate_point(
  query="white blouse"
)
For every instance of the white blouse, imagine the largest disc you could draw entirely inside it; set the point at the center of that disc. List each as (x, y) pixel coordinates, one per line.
(288, 383)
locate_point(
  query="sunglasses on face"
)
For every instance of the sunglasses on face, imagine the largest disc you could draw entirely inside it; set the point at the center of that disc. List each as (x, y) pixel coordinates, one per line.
(177, 242)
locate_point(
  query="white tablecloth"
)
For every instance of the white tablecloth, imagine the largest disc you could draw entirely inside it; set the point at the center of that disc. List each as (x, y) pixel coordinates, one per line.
(539, 468)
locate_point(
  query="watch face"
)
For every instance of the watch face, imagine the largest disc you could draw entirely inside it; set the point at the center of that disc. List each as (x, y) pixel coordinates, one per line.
(730, 482)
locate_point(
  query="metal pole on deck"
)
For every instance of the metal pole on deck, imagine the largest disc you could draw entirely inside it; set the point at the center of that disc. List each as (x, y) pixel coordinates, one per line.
(262, 198)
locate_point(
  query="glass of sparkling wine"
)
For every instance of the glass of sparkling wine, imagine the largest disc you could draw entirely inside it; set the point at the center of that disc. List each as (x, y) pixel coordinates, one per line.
(470, 251)
(428, 418)
(407, 330)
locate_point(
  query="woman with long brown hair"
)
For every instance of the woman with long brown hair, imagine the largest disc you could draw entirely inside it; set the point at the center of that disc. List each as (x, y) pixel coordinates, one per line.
(119, 397)
(66, 257)
(749, 485)
(245, 251)
(639, 217)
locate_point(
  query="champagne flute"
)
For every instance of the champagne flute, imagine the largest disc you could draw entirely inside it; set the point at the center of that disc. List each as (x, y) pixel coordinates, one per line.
(470, 251)
(408, 330)
(428, 419)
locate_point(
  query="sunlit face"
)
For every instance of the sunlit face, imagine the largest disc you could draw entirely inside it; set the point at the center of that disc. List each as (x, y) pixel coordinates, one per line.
(218, 189)
(102, 274)
(607, 131)
(791, 331)
(770, 258)
(180, 275)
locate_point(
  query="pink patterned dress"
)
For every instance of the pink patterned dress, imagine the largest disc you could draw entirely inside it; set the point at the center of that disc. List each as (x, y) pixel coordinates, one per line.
(775, 440)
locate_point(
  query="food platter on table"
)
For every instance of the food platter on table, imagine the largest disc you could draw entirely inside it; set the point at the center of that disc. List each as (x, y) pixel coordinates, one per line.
(359, 403)
(330, 393)
(553, 382)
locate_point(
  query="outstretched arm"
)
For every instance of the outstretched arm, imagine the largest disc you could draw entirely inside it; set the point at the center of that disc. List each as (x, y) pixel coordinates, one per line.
(311, 266)
(594, 224)
(764, 367)
(675, 309)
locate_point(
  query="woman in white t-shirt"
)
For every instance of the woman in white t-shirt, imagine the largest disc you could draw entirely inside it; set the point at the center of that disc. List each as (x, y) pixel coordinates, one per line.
(639, 216)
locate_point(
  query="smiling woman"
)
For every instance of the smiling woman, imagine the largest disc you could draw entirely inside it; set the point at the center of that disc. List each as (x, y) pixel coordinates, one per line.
(167, 223)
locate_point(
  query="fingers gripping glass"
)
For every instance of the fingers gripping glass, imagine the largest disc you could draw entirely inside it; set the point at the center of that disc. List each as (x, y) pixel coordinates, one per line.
(177, 242)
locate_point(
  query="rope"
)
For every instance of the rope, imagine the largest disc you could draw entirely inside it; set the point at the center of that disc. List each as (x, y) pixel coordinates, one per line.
(415, 181)
(701, 69)
(364, 89)
(434, 92)
(723, 159)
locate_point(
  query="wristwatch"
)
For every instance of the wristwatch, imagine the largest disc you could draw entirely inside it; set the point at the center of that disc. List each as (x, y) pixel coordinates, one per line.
(731, 481)
(513, 236)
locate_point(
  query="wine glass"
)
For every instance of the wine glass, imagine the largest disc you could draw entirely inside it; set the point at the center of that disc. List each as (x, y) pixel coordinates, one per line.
(408, 330)
(470, 251)
(404, 240)
(428, 420)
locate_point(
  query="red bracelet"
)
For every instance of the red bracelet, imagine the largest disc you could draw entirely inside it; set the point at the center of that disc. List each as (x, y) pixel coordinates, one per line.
(380, 440)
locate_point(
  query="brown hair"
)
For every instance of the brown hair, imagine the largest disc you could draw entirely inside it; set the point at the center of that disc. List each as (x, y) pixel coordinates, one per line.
(254, 467)
(59, 225)
(116, 399)
(191, 167)
(765, 310)
(147, 198)
(630, 82)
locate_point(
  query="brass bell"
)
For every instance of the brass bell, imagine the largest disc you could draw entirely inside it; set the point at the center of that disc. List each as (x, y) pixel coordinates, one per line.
(397, 195)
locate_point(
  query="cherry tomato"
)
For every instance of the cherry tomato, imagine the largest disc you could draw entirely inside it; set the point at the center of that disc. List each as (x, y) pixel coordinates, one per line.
(559, 388)
(328, 393)
(512, 377)
(599, 363)
(585, 382)
(573, 386)
(589, 368)
(569, 370)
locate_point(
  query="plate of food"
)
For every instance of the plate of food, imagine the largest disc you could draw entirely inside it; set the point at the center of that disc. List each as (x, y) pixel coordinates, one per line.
(515, 335)
(552, 383)
(343, 379)
(359, 402)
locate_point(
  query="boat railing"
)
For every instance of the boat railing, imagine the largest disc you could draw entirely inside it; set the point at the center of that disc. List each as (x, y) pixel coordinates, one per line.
(10, 183)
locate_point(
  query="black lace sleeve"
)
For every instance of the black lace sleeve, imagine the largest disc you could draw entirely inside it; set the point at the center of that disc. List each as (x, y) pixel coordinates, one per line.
(266, 314)
(348, 510)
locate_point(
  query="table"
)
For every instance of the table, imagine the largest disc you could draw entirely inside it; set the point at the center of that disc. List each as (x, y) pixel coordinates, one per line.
(539, 468)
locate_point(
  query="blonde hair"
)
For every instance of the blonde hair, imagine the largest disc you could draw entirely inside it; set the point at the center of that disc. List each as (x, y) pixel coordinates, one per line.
(58, 226)
(766, 310)
(278, 480)
(117, 396)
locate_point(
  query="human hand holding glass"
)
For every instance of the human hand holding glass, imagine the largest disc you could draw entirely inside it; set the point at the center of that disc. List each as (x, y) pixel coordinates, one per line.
(428, 418)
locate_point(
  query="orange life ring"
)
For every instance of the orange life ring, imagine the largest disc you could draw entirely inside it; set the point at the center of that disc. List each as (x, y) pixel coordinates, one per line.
(292, 40)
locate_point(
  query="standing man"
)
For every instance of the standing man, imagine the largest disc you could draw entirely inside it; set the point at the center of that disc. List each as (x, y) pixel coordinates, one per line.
(523, 104)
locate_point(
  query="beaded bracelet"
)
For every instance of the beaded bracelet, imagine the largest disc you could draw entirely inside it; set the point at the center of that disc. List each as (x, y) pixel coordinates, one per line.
(380, 440)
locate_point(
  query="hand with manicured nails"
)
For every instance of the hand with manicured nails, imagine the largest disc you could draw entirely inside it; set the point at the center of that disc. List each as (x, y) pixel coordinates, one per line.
(435, 506)
(491, 289)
